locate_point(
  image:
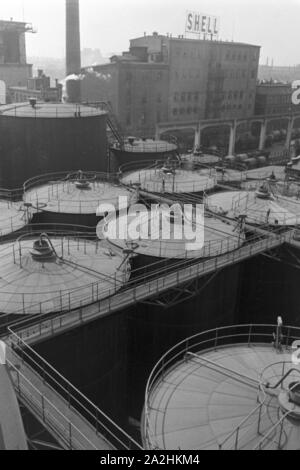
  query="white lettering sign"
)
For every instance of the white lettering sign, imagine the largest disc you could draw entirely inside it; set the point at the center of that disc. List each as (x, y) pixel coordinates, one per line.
(202, 24)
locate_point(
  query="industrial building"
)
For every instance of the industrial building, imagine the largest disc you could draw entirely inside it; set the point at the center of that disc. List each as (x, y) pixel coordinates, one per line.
(38, 87)
(273, 98)
(14, 69)
(170, 79)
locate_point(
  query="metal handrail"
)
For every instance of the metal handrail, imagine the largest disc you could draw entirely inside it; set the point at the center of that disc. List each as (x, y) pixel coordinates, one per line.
(68, 389)
(225, 369)
(44, 401)
(238, 427)
(271, 430)
(62, 175)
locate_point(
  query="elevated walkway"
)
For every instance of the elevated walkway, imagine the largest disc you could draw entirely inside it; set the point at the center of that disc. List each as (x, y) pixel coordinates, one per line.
(39, 328)
(74, 421)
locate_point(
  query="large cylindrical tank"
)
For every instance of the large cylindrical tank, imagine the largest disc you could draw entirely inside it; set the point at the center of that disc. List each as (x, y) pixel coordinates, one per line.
(195, 398)
(162, 235)
(42, 274)
(74, 197)
(171, 178)
(260, 207)
(137, 150)
(46, 137)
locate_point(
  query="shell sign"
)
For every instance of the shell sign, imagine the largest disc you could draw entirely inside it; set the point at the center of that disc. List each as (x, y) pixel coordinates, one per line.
(206, 26)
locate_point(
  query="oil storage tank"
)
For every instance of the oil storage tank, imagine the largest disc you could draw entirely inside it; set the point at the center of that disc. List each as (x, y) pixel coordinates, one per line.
(153, 243)
(37, 138)
(45, 274)
(74, 197)
(170, 177)
(140, 150)
(261, 207)
(234, 388)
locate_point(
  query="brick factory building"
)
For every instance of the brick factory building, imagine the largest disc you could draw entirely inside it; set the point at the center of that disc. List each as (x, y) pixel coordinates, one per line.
(273, 98)
(14, 69)
(166, 79)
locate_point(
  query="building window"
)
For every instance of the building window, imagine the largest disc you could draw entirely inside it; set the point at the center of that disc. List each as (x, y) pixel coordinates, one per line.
(175, 96)
(175, 111)
(182, 96)
(196, 97)
(159, 98)
(241, 95)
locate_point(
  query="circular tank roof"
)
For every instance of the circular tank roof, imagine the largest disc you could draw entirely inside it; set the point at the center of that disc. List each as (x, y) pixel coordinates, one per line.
(41, 275)
(273, 210)
(165, 180)
(266, 171)
(13, 217)
(200, 402)
(204, 159)
(152, 240)
(147, 146)
(79, 193)
(49, 110)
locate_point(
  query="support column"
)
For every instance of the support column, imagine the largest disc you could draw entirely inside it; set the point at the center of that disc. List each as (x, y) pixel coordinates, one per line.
(232, 139)
(262, 137)
(289, 133)
(157, 133)
(197, 139)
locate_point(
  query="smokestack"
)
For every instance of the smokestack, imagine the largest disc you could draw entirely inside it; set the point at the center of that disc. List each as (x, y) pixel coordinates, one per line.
(73, 59)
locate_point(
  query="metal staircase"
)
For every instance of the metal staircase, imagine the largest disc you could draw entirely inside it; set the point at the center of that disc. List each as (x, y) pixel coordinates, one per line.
(112, 121)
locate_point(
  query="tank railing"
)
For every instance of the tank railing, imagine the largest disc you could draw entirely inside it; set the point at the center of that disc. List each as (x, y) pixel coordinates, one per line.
(210, 340)
(86, 296)
(61, 111)
(283, 374)
(236, 432)
(140, 146)
(64, 176)
(246, 379)
(11, 195)
(53, 418)
(76, 400)
(142, 165)
(16, 221)
(271, 431)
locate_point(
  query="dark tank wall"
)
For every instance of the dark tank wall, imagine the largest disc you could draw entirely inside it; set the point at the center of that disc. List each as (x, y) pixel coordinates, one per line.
(94, 359)
(270, 288)
(153, 330)
(33, 146)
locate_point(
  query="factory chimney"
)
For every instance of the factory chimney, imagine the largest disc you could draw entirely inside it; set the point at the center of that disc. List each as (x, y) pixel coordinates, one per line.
(73, 55)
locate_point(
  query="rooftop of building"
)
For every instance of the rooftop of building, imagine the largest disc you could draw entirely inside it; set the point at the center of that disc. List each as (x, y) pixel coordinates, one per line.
(185, 39)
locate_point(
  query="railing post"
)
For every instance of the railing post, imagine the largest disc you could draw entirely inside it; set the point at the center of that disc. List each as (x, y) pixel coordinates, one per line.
(70, 435)
(249, 335)
(237, 439)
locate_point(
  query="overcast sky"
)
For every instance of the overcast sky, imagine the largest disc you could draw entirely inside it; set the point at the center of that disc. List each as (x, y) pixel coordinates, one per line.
(109, 24)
